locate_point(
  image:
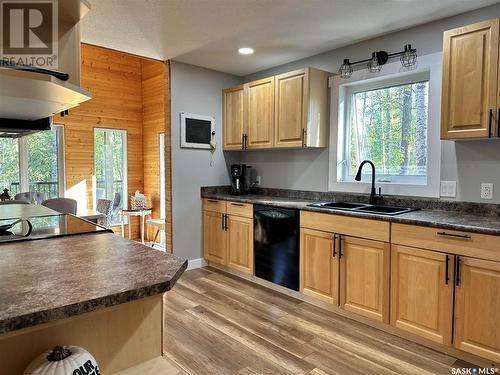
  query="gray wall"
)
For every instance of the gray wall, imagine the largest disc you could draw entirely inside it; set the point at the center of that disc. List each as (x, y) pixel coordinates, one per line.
(195, 90)
(469, 163)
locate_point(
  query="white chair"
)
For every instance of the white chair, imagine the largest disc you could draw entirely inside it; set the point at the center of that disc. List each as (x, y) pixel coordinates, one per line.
(159, 224)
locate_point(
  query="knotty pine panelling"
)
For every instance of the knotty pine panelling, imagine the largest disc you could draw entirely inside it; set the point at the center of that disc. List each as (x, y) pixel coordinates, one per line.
(155, 120)
(115, 81)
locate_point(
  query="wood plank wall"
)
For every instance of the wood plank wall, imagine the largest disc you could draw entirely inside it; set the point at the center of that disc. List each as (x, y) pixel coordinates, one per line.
(115, 80)
(155, 120)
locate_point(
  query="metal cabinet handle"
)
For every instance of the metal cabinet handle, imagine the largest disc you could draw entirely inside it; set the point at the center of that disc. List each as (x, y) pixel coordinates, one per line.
(226, 221)
(463, 236)
(334, 245)
(303, 137)
(245, 137)
(242, 141)
(223, 221)
(237, 204)
(340, 246)
(489, 123)
(498, 123)
(457, 270)
(212, 201)
(446, 276)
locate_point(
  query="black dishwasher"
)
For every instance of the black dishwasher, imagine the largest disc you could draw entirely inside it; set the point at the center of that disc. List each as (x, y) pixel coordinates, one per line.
(276, 245)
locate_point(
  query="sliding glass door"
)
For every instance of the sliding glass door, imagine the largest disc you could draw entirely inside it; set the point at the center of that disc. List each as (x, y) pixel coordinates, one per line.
(9, 165)
(110, 152)
(33, 163)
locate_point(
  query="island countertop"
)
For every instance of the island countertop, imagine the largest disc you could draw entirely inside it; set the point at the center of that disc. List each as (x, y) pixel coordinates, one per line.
(56, 278)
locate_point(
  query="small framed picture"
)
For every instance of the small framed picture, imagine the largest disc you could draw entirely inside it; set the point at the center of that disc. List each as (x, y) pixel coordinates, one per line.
(196, 130)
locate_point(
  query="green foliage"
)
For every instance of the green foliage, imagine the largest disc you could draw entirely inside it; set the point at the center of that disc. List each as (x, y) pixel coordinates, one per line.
(383, 127)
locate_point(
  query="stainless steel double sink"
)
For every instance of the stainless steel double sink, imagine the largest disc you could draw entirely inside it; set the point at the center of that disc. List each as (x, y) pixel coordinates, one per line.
(362, 207)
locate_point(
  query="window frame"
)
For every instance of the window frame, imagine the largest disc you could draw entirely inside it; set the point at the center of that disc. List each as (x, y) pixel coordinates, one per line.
(125, 168)
(393, 81)
(429, 67)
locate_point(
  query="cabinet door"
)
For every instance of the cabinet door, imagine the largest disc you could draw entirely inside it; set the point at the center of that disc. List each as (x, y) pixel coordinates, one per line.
(214, 237)
(364, 277)
(233, 118)
(469, 92)
(477, 308)
(260, 113)
(422, 292)
(319, 267)
(291, 108)
(240, 243)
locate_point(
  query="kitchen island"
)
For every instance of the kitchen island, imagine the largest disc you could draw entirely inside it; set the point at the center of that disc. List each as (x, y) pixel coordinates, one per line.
(98, 291)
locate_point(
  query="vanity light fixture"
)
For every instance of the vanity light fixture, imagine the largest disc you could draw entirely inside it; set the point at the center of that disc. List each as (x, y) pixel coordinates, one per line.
(408, 58)
(246, 50)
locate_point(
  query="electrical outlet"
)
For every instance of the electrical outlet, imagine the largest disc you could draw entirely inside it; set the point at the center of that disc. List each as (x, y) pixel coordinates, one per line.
(486, 190)
(448, 189)
(257, 181)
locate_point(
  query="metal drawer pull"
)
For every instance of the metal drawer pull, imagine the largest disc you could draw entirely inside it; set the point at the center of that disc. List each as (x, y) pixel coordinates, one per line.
(238, 204)
(212, 201)
(446, 277)
(464, 236)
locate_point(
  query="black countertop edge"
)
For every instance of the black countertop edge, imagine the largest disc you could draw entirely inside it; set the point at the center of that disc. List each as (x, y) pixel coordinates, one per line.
(33, 319)
(444, 219)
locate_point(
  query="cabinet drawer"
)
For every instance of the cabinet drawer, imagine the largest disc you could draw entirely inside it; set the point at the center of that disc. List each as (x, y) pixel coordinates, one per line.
(450, 241)
(240, 209)
(214, 205)
(350, 226)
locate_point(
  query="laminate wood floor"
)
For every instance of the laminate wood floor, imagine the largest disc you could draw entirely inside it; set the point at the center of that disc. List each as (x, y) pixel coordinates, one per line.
(218, 324)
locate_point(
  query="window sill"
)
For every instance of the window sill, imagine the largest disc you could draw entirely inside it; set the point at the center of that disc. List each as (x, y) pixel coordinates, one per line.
(388, 188)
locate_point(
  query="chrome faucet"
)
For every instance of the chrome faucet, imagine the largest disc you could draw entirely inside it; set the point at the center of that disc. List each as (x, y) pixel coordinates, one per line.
(374, 198)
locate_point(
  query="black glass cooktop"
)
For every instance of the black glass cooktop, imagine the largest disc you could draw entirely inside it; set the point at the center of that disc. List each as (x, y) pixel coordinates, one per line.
(45, 227)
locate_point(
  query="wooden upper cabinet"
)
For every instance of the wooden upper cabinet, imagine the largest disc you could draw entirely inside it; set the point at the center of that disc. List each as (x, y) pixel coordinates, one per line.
(234, 119)
(285, 111)
(470, 81)
(240, 243)
(477, 308)
(214, 237)
(364, 277)
(260, 113)
(319, 266)
(422, 293)
(291, 108)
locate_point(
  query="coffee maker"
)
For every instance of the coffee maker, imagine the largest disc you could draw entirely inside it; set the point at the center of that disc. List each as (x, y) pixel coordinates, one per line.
(242, 179)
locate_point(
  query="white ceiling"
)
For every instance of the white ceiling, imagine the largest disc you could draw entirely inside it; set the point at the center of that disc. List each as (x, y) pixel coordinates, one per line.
(209, 32)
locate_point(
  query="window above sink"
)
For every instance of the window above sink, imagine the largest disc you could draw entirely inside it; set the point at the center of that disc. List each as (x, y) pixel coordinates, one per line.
(393, 120)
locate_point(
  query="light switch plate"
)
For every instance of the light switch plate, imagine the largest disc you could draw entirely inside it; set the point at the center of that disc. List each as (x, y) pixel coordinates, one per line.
(448, 189)
(486, 190)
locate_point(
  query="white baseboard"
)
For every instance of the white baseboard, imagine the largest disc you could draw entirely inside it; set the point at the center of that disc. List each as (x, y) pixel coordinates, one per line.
(196, 263)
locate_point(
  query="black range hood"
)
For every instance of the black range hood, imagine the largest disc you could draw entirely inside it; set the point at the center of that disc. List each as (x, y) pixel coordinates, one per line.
(10, 128)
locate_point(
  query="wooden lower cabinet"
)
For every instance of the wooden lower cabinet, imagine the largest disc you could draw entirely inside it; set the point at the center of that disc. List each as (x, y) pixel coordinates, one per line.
(422, 292)
(364, 277)
(240, 243)
(319, 265)
(477, 308)
(214, 237)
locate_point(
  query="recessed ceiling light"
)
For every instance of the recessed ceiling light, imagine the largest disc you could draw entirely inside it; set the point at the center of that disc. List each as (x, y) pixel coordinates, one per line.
(246, 50)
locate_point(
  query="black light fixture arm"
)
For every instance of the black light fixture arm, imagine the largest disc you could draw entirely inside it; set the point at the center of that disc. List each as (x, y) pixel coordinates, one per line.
(383, 56)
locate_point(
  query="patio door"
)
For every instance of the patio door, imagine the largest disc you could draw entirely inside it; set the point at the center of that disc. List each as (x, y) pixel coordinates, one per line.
(33, 163)
(110, 155)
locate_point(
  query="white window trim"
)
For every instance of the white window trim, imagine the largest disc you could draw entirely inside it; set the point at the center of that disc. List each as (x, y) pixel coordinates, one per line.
(23, 162)
(428, 64)
(125, 168)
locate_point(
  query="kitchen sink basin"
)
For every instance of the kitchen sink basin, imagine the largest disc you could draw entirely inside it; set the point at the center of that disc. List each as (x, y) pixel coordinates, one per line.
(362, 207)
(342, 205)
(385, 210)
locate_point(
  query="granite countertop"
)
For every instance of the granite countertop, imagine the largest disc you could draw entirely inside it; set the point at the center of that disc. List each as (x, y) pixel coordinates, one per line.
(476, 221)
(51, 279)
